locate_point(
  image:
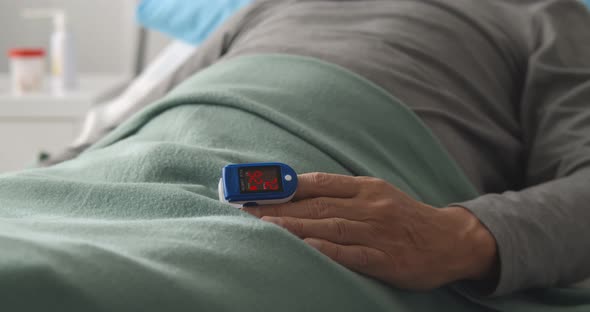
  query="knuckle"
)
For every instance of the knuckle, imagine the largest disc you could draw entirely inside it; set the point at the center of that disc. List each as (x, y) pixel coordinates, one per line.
(363, 258)
(369, 179)
(296, 226)
(319, 178)
(388, 206)
(372, 182)
(340, 228)
(319, 208)
(365, 180)
(372, 187)
(379, 183)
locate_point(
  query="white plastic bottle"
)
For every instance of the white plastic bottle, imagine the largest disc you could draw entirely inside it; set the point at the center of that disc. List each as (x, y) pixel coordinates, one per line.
(63, 59)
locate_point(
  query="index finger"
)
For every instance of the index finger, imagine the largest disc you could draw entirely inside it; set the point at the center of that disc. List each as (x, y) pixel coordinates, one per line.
(319, 184)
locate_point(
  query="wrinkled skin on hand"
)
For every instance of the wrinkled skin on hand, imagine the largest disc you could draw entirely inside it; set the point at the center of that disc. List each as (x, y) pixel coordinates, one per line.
(373, 228)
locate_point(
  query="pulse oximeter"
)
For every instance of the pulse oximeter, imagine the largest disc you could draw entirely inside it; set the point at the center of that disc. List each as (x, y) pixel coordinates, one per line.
(254, 184)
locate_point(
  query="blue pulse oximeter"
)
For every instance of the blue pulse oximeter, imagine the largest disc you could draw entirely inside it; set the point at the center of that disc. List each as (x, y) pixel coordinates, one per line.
(257, 184)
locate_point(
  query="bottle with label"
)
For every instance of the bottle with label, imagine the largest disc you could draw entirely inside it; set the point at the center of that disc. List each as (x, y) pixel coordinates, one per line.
(63, 60)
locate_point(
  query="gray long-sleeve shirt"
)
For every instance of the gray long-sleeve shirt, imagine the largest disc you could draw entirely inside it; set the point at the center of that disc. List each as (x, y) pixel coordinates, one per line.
(504, 85)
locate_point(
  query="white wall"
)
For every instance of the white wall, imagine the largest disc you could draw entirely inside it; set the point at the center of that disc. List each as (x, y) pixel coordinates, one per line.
(104, 31)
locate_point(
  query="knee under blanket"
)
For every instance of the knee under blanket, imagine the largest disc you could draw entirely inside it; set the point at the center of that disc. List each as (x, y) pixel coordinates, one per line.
(134, 223)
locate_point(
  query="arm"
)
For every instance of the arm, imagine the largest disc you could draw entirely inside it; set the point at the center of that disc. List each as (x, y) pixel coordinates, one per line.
(543, 231)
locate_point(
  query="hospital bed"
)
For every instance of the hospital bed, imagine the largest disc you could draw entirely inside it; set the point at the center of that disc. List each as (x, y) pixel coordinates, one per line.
(153, 83)
(159, 77)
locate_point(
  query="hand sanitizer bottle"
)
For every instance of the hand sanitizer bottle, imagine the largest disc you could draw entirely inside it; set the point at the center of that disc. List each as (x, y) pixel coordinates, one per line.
(63, 61)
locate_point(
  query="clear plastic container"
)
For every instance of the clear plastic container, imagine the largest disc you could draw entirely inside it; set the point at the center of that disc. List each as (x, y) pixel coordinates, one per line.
(27, 70)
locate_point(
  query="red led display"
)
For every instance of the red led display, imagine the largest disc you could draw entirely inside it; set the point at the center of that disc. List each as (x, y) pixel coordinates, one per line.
(260, 179)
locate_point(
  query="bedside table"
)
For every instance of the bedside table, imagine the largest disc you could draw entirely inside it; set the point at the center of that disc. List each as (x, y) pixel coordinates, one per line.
(37, 123)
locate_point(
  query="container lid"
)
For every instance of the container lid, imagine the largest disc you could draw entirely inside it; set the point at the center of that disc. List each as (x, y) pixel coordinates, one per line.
(26, 53)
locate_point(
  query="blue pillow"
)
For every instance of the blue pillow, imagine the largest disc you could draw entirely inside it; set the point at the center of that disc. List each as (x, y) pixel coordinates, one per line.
(189, 20)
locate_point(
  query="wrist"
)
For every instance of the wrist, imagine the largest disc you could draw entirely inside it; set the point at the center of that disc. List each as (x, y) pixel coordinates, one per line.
(476, 246)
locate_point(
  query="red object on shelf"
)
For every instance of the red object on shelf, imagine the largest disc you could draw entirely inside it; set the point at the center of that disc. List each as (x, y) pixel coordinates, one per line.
(25, 53)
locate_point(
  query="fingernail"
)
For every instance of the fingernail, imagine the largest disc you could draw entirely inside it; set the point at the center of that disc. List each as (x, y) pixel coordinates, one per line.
(314, 243)
(277, 221)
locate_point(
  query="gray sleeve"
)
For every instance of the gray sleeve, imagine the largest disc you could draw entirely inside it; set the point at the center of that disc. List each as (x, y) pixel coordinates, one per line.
(543, 231)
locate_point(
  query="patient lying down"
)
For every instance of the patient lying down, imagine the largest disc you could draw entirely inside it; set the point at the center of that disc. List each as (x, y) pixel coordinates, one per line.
(449, 144)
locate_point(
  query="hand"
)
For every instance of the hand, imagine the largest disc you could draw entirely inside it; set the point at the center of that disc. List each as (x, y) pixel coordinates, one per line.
(371, 227)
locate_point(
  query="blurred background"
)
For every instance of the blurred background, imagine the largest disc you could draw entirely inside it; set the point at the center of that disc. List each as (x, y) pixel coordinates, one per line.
(110, 49)
(105, 32)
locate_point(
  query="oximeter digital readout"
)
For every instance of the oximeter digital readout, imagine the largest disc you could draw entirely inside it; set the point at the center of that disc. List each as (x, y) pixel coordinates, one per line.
(254, 184)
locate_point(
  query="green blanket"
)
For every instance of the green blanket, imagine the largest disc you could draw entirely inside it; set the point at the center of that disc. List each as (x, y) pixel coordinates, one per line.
(134, 224)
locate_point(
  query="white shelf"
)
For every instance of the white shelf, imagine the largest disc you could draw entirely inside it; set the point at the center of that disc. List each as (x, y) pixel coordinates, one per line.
(92, 89)
(43, 122)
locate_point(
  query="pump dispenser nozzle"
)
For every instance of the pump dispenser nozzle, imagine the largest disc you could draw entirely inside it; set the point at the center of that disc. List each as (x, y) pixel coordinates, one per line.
(58, 16)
